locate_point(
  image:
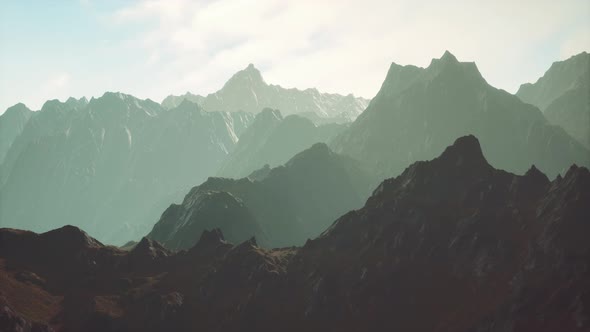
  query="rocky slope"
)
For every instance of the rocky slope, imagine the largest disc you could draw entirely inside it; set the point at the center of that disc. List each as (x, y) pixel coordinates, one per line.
(281, 206)
(451, 244)
(419, 111)
(272, 140)
(246, 90)
(112, 166)
(563, 94)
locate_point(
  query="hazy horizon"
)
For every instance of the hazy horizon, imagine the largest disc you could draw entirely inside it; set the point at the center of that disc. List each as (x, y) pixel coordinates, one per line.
(154, 48)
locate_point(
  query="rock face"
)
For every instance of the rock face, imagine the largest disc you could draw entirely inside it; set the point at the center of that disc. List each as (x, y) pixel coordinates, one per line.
(281, 206)
(12, 123)
(419, 111)
(246, 90)
(563, 94)
(272, 140)
(451, 244)
(112, 166)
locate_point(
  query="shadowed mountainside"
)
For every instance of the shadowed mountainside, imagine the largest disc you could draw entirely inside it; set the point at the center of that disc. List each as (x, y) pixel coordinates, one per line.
(451, 244)
(281, 206)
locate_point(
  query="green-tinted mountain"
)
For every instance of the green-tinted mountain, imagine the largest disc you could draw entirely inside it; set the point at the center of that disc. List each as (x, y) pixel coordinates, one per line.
(561, 77)
(284, 206)
(419, 111)
(181, 224)
(246, 90)
(113, 166)
(12, 123)
(172, 101)
(563, 94)
(53, 119)
(273, 140)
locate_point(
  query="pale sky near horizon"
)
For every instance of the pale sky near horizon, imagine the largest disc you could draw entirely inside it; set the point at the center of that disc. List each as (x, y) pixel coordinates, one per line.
(154, 48)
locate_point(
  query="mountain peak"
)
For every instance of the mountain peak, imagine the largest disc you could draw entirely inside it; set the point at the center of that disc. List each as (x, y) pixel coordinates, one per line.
(315, 153)
(448, 57)
(17, 108)
(446, 60)
(54, 104)
(148, 249)
(246, 245)
(189, 105)
(246, 77)
(209, 237)
(71, 237)
(465, 151)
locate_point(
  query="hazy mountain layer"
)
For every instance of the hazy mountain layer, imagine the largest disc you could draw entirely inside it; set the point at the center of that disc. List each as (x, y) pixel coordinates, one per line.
(113, 166)
(12, 123)
(451, 244)
(560, 78)
(418, 111)
(563, 94)
(272, 140)
(247, 91)
(171, 101)
(281, 206)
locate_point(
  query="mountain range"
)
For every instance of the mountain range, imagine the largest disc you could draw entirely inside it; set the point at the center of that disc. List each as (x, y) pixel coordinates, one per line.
(451, 244)
(111, 166)
(281, 206)
(247, 91)
(419, 111)
(272, 140)
(563, 94)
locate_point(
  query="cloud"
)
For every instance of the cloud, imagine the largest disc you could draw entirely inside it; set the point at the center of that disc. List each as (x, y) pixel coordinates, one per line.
(347, 46)
(55, 86)
(57, 82)
(151, 48)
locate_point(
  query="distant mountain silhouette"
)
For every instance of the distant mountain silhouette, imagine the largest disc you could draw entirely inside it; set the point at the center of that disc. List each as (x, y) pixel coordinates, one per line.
(273, 140)
(418, 111)
(247, 91)
(281, 206)
(171, 101)
(113, 166)
(451, 244)
(563, 94)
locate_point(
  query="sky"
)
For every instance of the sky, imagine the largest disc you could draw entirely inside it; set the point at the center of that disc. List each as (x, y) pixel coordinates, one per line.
(154, 48)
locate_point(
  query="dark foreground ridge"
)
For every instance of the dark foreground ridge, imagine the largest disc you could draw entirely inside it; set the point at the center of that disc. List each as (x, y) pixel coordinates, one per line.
(451, 244)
